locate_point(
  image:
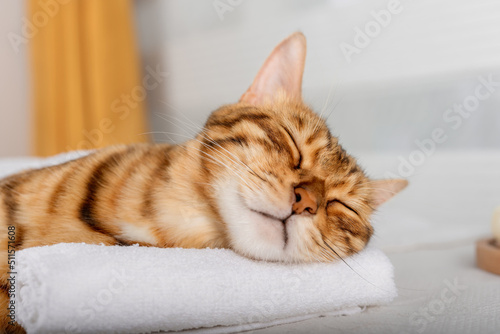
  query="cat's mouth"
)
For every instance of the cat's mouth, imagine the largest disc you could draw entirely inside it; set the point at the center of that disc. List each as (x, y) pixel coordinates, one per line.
(282, 220)
(269, 224)
(268, 215)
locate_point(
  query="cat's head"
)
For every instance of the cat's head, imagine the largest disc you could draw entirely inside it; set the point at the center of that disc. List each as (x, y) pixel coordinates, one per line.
(283, 186)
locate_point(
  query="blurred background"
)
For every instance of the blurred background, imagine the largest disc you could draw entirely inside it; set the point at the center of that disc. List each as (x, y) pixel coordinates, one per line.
(78, 74)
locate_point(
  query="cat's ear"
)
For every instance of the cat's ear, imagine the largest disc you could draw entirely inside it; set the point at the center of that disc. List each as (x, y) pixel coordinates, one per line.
(384, 190)
(282, 71)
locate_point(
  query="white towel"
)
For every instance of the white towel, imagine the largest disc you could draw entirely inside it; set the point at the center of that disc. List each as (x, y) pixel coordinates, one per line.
(79, 288)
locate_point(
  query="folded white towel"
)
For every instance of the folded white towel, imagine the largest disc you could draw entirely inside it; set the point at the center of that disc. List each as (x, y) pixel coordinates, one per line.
(79, 288)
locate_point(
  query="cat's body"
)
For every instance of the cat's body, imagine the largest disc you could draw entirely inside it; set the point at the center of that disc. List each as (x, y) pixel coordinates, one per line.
(264, 178)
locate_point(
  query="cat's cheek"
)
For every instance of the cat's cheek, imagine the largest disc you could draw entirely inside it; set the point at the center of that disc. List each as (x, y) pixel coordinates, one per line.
(271, 198)
(250, 233)
(258, 237)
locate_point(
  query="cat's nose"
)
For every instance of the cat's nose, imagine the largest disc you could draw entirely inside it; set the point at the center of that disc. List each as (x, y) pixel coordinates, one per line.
(304, 201)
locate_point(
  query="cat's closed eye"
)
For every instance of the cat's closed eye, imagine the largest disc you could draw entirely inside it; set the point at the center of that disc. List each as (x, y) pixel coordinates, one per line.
(296, 154)
(336, 201)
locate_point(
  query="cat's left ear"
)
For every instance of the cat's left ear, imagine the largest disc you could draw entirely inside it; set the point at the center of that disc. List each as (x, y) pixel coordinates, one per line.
(282, 71)
(384, 190)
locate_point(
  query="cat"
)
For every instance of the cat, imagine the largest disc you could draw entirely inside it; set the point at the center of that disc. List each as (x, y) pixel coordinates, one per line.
(264, 178)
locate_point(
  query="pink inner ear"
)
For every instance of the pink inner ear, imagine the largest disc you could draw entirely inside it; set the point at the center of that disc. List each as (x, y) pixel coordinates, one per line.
(384, 190)
(282, 72)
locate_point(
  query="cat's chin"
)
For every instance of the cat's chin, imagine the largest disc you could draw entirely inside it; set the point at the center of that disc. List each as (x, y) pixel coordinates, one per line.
(260, 236)
(265, 238)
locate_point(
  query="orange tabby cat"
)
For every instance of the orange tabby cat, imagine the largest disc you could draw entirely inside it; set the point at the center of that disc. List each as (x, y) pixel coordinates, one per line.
(265, 178)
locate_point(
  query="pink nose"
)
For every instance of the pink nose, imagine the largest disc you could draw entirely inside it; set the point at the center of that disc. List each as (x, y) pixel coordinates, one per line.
(304, 201)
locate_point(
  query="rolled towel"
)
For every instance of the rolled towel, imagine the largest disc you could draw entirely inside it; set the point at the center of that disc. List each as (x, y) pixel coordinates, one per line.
(79, 288)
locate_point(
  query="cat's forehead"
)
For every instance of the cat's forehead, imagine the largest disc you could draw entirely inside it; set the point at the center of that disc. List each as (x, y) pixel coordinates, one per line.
(338, 165)
(328, 159)
(319, 149)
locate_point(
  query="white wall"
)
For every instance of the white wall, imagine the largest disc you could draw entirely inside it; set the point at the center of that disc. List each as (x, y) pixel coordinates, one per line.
(394, 92)
(14, 118)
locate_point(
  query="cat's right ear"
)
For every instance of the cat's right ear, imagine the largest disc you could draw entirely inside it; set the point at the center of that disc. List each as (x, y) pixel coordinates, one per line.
(282, 72)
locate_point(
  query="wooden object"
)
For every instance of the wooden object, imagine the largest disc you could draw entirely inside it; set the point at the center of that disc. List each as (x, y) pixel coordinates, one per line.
(488, 255)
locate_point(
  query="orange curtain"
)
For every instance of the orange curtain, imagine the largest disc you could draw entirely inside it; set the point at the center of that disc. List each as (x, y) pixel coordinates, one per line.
(87, 89)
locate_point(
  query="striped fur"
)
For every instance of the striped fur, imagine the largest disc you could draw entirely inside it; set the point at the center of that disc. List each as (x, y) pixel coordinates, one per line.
(230, 187)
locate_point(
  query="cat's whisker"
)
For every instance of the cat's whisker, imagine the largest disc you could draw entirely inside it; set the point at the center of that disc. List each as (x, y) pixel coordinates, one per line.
(155, 132)
(167, 134)
(328, 245)
(207, 137)
(233, 170)
(189, 135)
(325, 253)
(245, 180)
(333, 89)
(203, 133)
(327, 101)
(337, 254)
(341, 96)
(214, 151)
(238, 161)
(321, 257)
(325, 106)
(163, 116)
(222, 164)
(213, 159)
(334, 107)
